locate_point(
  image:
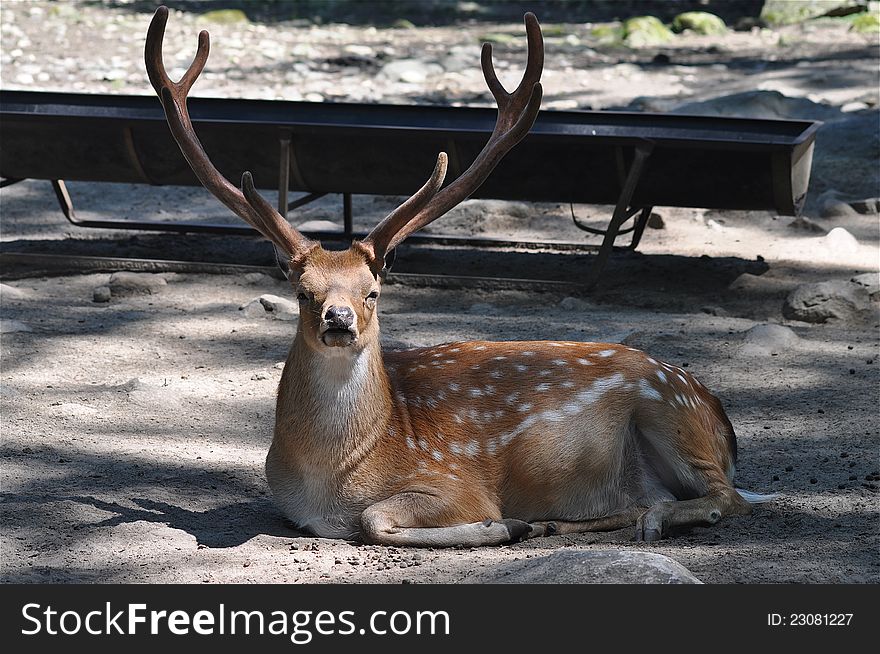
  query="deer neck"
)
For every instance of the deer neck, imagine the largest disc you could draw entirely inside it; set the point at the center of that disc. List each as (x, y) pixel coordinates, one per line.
(339, 400)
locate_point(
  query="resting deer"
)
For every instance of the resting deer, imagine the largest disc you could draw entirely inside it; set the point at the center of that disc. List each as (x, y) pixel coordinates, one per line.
(463, 444)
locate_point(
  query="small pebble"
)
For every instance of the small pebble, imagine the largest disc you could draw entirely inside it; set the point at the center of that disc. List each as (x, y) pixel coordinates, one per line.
(843, 455)
(853, 477)
(852, 371)
(775, 477)
(101, 294)
(789, 468)
(821, 410)
(813, 480)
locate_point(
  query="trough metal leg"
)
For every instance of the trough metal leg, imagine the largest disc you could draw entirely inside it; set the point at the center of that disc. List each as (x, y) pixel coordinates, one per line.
(347, 215)
(64, 200)
(621, 213)
(639, 227)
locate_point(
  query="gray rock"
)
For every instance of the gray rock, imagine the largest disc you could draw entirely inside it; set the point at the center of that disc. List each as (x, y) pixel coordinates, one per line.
(319, 226)
(806, 225)
(101, 294)
(835, 300)
(655, 221)
(758, 285)
(575, 304)
(255, 278)
(868, 206)
(870, 281)
(839, 242)
(124, 284)
(272, 306)
(586, 567)
(13, 326)
(766, 340)
(713, 310)
(8, 293)
(482, 308)
(832, 205)
(411, 71)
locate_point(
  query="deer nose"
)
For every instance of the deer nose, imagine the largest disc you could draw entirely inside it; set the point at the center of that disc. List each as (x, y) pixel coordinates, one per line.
(342, 317)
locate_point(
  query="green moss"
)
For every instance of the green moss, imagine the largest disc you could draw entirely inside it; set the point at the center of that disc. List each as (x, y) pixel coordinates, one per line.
(866, 23)
(403, 24)
(699, 22)
(608, 34)
(497, 37)
(225, 16)
(554, 30)
(644, 31)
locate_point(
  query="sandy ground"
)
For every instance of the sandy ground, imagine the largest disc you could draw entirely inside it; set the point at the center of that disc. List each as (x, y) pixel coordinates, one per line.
(134, 431)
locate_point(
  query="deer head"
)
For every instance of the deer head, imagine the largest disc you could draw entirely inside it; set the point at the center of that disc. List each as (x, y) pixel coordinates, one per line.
(338, 291)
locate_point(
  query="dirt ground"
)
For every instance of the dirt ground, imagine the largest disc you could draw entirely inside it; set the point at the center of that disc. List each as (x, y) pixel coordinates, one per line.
(134, 431)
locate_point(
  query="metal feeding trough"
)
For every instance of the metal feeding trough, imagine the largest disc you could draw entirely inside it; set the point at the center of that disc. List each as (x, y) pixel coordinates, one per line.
(632, 160)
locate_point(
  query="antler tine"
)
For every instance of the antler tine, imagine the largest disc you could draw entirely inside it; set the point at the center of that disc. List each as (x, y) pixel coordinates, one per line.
(382, 233)
(173, 95)
(517, 112)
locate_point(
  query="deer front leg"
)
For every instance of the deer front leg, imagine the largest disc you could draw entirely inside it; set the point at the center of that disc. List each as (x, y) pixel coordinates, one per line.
(401, 520)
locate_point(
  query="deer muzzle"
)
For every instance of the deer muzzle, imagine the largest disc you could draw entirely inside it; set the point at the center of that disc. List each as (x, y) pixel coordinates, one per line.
(338, 327)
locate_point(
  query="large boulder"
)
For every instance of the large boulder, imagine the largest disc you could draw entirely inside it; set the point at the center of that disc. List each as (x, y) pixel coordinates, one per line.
(834, 300)
(124, 284)
(587, 567)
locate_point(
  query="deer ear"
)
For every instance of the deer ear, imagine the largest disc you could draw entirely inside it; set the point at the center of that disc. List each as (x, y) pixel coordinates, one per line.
(375, 260)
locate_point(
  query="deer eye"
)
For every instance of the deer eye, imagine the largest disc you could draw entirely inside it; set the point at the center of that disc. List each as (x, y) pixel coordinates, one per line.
(302, 297)
(374, 295)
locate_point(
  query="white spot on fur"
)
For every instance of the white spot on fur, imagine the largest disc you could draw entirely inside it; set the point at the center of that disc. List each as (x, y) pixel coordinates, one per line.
(475, 392)
(437, 455)
(410, 442)
(522, 408)
(423, 444)
(585, 362)
(456, 449)
(472, 449)
(560, 362)
(647, 391)
(528, 353)
(540, 388)
(571, 408)
(510, 399)
(455, 349)
(599, 387)
(521, 368)
(499, 358)
(457, 419)
(545, 373)
(552, 344)
(652, 361)
(488, 389)
(452, 477)
(606, 353)
(496, 374)
(491, 446)
(567, 384)
(661, 376)
(454, 387)
(453, 466)
(476, 366)
(480, 347)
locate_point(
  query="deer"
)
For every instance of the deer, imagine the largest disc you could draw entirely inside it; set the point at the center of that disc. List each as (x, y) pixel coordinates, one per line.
(473, 443)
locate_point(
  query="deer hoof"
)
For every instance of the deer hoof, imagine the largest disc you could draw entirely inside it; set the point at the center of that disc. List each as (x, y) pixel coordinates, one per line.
(517, 529)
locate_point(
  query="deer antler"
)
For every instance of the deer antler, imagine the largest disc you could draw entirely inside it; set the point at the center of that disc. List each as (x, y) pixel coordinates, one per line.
(516, 115)
(248, 205)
